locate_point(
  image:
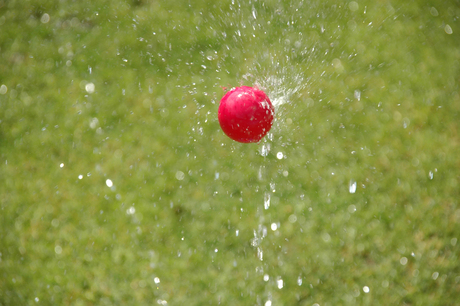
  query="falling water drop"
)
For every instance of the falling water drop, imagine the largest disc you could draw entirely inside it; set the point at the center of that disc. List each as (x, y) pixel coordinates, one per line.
(265, 149)
(352, 186)
(260, 174)
(299, 281)
(357, 95)
(280, 283)
(267, 200)
(260, 254)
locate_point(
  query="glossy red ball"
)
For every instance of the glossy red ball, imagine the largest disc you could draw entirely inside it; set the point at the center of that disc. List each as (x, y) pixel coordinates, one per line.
(245, 114)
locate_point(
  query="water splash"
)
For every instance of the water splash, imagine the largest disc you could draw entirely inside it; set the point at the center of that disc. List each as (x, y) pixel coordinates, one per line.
(281, 85)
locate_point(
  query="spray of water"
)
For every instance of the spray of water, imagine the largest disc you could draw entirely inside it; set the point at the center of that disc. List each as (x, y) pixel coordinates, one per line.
(281, 86)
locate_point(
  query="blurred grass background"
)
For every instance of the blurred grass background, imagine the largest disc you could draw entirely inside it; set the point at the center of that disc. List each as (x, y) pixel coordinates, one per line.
(118, 187)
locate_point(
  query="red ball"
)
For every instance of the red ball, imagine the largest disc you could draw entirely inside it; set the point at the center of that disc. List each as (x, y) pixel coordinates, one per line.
(245, 114)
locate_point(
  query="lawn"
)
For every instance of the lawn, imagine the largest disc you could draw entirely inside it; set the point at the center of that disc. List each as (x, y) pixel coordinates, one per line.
(118, 187)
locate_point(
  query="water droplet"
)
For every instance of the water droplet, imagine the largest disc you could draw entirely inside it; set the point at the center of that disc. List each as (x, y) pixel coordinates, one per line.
(131, 211)
(260, 174)
(274, 226)
(3, 89)
(180, 175)
(406, 122)
(353, 6)
(80, 176)
(430, 175)
(90, 88)
(280, 283)
(448, 29)
(299, 281)
(279, 155)
(94, 123)
(109, 183)
(403, 261)
(58, 249)
(337, 64)
(366, 289)
(45, 18)
(265, 149)
(260, 254)
(267, 200)
(156, 280)
(357, 95)
(61, 165)
(435, 275)
(352, 186)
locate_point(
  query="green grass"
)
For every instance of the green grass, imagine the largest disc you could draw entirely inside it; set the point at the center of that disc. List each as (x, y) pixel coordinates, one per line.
(376, 102)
